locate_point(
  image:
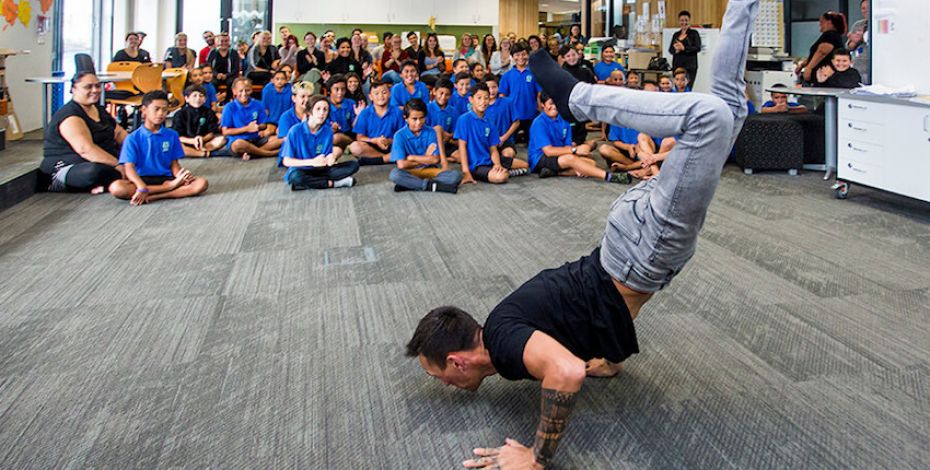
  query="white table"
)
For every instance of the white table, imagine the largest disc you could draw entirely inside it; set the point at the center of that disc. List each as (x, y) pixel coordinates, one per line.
(830, 121)
(104, 77)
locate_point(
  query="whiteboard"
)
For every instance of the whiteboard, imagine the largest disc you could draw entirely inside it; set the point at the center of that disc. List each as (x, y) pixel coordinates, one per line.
(709, 39)
(899, 36)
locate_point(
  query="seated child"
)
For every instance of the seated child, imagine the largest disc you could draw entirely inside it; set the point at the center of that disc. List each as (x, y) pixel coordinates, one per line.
(214, 100)
(651, 151)
(197, 77)
(500, 113)
(520, 85)
(665, 85)
(309, 155)
(354, 89)
(276, 97)
(616, 78)
(478, 71)
(442, 117)
(376, 126)
(300, 96)
(607, 65)
(463, 83)
(620, 149)
(197, 125)
(633, 81)
(478, 141)
(409, 87)
(681, 80)
(244, 126)
(459, 66)
(840, 74)
(551, 152)
(342, 111)
(150, 159)
(415, 150)
(780, 104)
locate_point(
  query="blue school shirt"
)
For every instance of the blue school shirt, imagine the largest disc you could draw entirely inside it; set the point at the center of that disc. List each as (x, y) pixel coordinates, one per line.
(500, 113)
(370, 124)
(445, 118)
(276, 102)
(400, 96)
(211, 94)
(235, 115)
(771, 104)
(344, 114)
(406, 144)
(602, 69)
(288, 120)
(623, 134)
(303, 144)
(152, 152)
(480, 135)
(460, 102)
(522, 88)
(546, 131)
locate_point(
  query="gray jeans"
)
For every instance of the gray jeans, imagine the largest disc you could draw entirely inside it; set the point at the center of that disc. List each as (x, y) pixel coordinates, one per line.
(652, 229)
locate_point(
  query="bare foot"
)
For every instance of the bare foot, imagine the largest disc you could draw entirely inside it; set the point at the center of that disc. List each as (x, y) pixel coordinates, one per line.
(246, 157)
(642, 174)
(616, 167)
(599, 367)
(98, 190)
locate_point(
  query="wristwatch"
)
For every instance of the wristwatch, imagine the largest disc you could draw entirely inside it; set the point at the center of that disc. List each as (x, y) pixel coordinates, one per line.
(574, 149)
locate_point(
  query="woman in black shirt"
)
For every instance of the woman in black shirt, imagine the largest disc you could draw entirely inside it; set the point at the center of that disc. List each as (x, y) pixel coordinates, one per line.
(685, 46)
(344, 62)
(81, 147)
(832, 28)
(311, 57)
(132, 52)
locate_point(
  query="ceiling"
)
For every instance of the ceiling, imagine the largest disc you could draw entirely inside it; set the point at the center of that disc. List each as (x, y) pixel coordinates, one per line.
(559, 6)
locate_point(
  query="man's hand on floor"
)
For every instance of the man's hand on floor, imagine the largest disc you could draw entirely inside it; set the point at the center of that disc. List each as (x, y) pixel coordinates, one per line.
(511, 456)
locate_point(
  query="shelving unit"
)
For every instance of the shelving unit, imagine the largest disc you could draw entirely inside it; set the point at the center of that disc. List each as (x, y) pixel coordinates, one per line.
(14, 130)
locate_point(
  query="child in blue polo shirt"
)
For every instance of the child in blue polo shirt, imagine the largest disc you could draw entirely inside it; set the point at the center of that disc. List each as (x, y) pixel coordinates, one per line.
(415, 151)
(478, 141)
(411, 87)
(442, 116)
(520, 86)
(607, 65)
(463, 83)
(300, 96)
(244, 126)
(651, 151)
(309, 155)
(780, 104)
(620, 149)
(551, 152)
(276, 97)
(500, 113)
(342, 111)
(150, 159)
(214, 99)
(376, 126)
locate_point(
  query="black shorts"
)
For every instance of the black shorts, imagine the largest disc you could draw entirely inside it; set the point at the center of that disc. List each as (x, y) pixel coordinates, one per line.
(156, 180)
(258, 141)
(351, 135)
(480, 173)
(552, 163)
(451, 147)
(506, 145)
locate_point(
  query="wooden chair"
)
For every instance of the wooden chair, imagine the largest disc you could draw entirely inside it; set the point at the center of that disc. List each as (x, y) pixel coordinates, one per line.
(176, 88)
(145, 78)
(124, 67)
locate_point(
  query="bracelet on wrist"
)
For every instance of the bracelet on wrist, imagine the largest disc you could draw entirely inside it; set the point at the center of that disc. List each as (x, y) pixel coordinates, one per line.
(142, 190)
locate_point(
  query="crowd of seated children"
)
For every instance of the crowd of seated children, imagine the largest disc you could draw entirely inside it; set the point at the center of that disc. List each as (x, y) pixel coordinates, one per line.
(780, 104)
(478, 143)
(342, 112)
(410, 87)
(839, 73)
(197, 125)
(520, 86)
(551, 151)
(607, 65)
(309, 155)
(300, 97)
(500, 113)
(442, 117)
(150, 157)
(415, 151)
(244, 124)
(375, 127)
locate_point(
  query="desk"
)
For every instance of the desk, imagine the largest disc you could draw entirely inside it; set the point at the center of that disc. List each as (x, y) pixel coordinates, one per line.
(104, 77)
(830, 121)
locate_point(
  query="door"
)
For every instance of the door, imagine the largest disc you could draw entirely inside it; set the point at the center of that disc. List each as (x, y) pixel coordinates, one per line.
(243, 17)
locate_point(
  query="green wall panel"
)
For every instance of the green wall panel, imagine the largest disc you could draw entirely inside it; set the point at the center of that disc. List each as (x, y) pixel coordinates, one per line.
(299, 29)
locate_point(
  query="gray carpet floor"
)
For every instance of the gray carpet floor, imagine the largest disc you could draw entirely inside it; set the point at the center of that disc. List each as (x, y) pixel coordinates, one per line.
(254, 327)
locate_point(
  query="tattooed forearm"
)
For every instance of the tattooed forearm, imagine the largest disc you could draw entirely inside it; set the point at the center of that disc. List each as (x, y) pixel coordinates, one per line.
(556, 408)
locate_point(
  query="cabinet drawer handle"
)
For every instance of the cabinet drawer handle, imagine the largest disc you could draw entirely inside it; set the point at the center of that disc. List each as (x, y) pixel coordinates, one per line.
(851, 126)
(857, 149)
(854, 106)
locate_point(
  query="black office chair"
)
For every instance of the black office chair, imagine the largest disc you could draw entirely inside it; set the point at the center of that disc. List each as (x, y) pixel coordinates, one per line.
(83, 63)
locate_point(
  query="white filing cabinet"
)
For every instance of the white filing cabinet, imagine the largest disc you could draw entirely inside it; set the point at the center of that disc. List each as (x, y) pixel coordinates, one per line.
(884, 143)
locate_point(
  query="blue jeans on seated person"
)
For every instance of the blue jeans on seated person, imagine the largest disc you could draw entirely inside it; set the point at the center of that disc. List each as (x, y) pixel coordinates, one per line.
(419, 179)
(391, 77)
(319, 177)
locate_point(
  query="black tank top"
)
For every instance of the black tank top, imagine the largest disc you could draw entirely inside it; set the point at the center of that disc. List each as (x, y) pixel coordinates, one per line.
(57, 150)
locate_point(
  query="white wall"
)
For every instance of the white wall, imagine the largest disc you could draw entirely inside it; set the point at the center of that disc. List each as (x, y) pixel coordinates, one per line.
(27, 97)
(157, 20)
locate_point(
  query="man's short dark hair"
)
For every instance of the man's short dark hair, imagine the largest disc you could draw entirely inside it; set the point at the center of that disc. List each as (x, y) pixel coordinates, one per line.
(564, 50)
(684, 13)
(443, 83)
(492, 78)
(480, 86)
(282, 28)
(519, 47)
(356, 30)
(415, 104)
(337, 78)
(386, 35)
(408, 63)
(195, 89)
(462, 76)
(377, 83)
(456, 62)
(841, 51)
(442, 331)
(153, 95)
(412, 33)
(543, 97)
(342, 40)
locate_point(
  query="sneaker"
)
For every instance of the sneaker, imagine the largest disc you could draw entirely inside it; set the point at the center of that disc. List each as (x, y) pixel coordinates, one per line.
(519, 172)
(346, 182)
(399, 189)
(546, 173)
(622, 178)
(299, 187)
(443, 188)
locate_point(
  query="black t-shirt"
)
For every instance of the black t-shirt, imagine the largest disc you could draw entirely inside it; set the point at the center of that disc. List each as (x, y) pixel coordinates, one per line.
(581, 72)
(191, 122)
(344, 65)
(304, 64)
(56, 149)
(123, 56)
(257, 60)
(577, 304)
(829, 37)
(228, 65)
(849, 79)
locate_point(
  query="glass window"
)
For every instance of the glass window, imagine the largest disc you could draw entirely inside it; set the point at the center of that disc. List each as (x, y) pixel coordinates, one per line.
(811, 9)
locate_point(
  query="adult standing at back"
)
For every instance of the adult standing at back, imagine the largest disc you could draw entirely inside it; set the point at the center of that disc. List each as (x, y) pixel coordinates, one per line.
(488, 47)
(263, 59)
(210, 39)
(857, 43)
(81, 147)
(224, 60)
(180, 55)
(501, 61)
(289, 51)
(468, 51)
(686, 44)
(575, 36)
(132, 52)
(832, 29)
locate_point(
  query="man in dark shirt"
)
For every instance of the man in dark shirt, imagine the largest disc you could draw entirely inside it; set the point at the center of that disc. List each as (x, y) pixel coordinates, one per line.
(577, 320)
